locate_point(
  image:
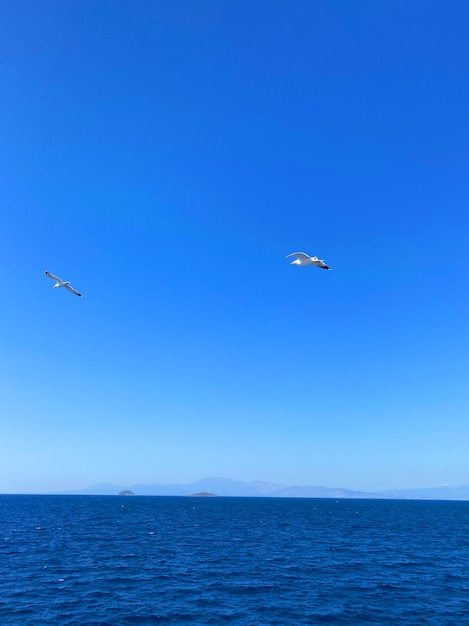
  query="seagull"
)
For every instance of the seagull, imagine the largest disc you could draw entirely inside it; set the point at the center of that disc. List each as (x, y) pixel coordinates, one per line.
(303, 260)
(61, 283)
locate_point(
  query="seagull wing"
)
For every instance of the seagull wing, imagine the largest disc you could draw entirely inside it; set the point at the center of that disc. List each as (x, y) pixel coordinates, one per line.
(300, 255)
(72, 290)
(321, 263)
(56, 278)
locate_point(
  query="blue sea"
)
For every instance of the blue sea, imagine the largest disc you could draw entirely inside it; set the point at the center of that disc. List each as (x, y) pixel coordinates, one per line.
(79, 560)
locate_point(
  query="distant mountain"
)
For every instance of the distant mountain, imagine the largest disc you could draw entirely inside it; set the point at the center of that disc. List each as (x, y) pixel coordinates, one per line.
(227, 487)
(443, 492)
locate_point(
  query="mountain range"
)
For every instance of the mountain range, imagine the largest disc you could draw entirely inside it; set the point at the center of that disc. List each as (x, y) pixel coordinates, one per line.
(236, 488)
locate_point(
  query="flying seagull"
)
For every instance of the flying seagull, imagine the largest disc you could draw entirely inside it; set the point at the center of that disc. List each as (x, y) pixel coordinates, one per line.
(61, 283)
(303, 260)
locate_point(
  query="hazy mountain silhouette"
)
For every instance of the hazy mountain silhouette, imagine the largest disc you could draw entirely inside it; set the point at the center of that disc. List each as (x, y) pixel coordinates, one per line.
(228, 487)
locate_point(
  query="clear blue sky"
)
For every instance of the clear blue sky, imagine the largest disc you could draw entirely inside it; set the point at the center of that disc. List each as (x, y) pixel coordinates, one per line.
(165, 157)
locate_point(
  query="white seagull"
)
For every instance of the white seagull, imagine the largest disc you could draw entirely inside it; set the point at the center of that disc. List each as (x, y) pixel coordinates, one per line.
(303, 260)
(61, 283)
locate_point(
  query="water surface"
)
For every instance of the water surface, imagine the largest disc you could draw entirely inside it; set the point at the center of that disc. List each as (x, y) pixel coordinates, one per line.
(76, 560)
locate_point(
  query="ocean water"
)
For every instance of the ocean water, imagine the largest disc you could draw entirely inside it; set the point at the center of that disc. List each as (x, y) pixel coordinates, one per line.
(79, 560)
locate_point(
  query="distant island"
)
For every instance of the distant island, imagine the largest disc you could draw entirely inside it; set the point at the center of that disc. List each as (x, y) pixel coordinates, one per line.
(203, 494)
(126, 492)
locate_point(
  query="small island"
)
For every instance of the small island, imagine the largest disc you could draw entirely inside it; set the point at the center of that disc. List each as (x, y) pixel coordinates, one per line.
(203, 494)
(126, 492)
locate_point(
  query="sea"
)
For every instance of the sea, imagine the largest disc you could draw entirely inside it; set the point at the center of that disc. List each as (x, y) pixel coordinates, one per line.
(112, 560)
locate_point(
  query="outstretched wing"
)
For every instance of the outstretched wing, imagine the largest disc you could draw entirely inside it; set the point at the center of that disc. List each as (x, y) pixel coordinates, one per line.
(320, 263)
(72, 290)
(56, 278)
(300, 255)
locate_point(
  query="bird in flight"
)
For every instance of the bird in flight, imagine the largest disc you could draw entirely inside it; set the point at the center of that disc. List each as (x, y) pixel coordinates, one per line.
(61, 283)
(302, 260)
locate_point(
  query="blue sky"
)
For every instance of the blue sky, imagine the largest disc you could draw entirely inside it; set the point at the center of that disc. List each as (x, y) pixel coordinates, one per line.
(165, 157)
